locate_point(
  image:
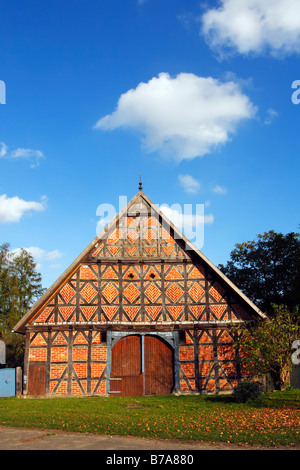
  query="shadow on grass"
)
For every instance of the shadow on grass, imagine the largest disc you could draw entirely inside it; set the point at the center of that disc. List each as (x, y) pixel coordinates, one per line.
(220, 399)
(230, 399)
(284, 399)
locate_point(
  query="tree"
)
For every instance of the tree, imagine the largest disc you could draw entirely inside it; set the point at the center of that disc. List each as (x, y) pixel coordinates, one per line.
(266, 348)
(267, 269)
(7, 288)
(28, 282)
(20, 287)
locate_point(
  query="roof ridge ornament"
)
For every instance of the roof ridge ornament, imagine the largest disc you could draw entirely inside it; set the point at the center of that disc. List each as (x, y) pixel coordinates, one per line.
(140, 183)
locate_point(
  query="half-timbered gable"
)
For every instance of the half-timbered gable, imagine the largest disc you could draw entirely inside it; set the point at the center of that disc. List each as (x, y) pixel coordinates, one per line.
(140, 311)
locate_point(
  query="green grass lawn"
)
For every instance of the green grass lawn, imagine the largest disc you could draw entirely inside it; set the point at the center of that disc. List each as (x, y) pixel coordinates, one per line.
(273, 420)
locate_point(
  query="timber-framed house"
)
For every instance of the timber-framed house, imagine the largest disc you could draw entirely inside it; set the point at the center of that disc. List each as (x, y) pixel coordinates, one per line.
(141, 311)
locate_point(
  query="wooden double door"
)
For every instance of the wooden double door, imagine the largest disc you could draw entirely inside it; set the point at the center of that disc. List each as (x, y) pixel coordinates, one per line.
(141, 365)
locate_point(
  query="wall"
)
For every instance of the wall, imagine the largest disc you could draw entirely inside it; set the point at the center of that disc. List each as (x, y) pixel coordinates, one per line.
(76, 361)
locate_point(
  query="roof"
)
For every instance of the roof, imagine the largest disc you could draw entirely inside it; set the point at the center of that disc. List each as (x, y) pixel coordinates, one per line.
(134, 204)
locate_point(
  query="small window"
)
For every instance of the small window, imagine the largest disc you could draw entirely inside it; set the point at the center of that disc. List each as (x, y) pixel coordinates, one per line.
(152, 275)
(131, 276)
(103, 337)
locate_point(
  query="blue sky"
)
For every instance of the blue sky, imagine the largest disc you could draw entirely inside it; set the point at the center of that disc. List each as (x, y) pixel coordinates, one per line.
(195, 96)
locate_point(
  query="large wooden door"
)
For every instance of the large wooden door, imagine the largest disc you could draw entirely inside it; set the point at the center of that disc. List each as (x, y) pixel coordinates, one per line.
(158, 366)
(126, 377)
(141, 365)
(36, 379)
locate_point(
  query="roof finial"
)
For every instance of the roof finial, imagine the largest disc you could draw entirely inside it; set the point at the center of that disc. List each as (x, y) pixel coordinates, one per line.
(140, 183)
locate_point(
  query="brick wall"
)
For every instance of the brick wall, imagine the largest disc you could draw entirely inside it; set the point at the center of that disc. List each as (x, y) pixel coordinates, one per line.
(76, 361)
(208, 361)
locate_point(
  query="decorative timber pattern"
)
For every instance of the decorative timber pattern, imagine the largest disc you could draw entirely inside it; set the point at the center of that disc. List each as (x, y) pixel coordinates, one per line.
(208, 361)
(75, 361)
(155, 292)
(139, 275)
(112, 285)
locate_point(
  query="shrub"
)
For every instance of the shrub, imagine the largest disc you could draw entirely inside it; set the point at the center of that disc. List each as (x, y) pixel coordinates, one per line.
(247, 391)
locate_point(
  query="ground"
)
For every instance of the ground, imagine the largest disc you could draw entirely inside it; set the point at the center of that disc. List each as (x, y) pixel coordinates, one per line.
(36, 439)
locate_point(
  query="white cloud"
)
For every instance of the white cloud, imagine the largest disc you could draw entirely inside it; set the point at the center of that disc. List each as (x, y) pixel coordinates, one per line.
(3, 150)
(270, 116)
(253, 26)
(37, 253)
(219, 189)
(182, 117)
(189, 183)
(40, 256)
(52, 255)
(34, 156)
(12, 209)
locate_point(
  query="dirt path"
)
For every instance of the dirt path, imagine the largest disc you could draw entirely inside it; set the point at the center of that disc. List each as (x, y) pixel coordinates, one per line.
(36, 439)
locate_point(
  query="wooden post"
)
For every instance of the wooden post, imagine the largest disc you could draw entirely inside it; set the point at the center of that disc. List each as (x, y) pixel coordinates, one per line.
(2, 353)
(26, 363)
(19, 381)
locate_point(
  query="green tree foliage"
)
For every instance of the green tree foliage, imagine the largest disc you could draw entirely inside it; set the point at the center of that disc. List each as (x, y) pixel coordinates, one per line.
(20, 287)
(267, 269)
(266, 347)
